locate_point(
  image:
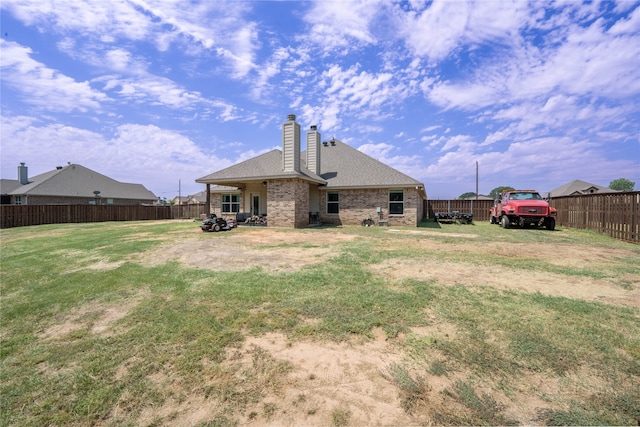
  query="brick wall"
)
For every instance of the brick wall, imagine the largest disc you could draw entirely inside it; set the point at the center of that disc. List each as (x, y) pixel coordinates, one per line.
(288, 203)
(288, 206)
(356, 205)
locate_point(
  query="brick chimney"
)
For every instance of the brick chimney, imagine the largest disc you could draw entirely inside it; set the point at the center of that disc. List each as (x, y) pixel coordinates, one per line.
(23, 174)
(291, 145)
(313, 150)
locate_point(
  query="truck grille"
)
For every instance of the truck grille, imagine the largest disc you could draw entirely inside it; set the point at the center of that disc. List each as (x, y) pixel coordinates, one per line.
(532, 210)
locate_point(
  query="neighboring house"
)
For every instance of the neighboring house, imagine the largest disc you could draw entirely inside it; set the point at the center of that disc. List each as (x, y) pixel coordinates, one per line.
(199, 198)
(330, 182)
(180, 200)
(71, 184)
(577, 187)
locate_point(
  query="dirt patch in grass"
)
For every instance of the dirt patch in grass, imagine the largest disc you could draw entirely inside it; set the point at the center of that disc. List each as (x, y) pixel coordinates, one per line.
(437, 265)
(328, 377)
(433, 233)
(325, 382)
(96, 318)
(459, 273)
(275, 251)
(348, 383)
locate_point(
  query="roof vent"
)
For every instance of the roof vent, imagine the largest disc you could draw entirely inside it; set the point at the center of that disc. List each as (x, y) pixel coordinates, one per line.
(333, 141)
(58, 167)
(325, 143)
(314, 127)
(291, 117)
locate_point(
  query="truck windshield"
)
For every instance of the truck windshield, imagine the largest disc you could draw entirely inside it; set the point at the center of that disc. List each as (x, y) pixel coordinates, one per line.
(526, 196)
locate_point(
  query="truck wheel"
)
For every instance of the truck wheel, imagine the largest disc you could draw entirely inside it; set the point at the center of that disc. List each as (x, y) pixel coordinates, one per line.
(492, 219)
(550, 224)
(505, 222)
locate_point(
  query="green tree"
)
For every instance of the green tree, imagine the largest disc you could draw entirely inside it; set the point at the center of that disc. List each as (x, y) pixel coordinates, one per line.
(499, 190)
(466, 195)
(622, 184)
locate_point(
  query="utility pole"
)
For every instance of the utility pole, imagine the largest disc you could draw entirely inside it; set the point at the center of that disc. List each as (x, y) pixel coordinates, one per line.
(179, 200)
(476, 180)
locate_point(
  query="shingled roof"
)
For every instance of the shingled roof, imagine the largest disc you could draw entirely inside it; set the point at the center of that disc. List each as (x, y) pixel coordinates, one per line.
(579, 187)
(341, 166)
(264, 166)
(78, 181)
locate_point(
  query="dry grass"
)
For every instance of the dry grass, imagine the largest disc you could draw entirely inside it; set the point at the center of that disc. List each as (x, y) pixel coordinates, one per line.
(161, 324)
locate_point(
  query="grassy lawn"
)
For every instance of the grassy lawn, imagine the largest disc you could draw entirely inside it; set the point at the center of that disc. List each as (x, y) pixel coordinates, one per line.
(95, 333)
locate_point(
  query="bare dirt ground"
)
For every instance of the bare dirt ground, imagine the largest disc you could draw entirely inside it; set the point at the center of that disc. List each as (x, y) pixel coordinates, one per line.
(349, 383)
(259, 247)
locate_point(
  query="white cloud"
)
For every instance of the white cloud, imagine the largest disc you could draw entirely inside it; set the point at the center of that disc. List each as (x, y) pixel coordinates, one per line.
(461, 142)
(628, 25)
(153, 90)
(44, 87)
(436, 31)
(214, 26)
(586, 61)
(145, 154)
(362, 94)
(540, 163)
(383, 152)
(444, 27)
(336, 25)
(113, 18)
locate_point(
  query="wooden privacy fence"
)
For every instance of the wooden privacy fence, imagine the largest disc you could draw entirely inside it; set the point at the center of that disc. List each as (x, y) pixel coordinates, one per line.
(479, 208)
(615, 214)
(22, 215)
(188, 211)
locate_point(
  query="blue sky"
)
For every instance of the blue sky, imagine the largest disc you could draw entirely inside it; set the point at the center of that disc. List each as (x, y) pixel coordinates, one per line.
(163, 92)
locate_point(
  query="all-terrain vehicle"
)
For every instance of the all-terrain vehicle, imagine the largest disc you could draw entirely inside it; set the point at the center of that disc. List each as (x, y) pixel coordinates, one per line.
(213, 223)
(522, 208)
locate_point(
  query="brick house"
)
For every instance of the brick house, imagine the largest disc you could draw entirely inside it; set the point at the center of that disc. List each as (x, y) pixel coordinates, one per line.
(71, 184)
(330, 183)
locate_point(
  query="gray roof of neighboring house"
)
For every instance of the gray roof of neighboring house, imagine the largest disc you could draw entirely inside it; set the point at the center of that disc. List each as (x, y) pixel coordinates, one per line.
(480, 197)
(579, 187)
(77, 181)
(341, 166)
(8, 185)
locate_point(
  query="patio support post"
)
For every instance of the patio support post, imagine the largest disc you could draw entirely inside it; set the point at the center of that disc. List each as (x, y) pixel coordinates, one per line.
(208, 203)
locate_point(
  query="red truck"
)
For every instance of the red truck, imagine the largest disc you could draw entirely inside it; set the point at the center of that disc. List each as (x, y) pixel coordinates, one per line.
(522, 208)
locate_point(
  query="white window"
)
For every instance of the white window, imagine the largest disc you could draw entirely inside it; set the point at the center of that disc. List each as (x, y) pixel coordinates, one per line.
(396, 202)
(18, 200)
(230, 203)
